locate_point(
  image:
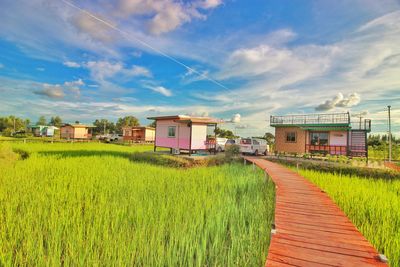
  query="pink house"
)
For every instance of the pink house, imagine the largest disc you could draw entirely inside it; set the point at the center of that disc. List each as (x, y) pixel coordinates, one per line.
(185, 133)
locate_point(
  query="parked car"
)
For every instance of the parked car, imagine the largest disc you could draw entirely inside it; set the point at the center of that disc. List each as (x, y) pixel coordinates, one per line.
(220, 144)
(254, 146)
(113, 137)
(231, 142)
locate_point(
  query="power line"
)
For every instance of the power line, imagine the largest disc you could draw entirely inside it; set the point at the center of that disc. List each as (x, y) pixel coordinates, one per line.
(129, 37)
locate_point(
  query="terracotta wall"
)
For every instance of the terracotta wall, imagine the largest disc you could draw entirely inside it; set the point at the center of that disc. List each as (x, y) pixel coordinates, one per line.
(281, 145)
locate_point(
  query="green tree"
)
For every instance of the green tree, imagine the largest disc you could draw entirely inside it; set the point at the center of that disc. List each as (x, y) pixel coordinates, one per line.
(56, 121)
(11, 124)
(224, 133)
(128, 121)
(153, 124)
(41, 121)
(101, 124)
(269, 137)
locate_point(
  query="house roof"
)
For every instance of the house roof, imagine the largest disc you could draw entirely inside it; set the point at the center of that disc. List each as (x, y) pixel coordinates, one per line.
(139, 127)
(185, 118)
(75, 125)
(43, 126)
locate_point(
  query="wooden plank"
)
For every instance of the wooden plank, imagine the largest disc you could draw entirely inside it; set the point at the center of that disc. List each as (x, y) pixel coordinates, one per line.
(311, 230)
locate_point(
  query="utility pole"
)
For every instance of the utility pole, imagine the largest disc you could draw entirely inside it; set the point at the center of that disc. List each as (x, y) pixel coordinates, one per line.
(390, 136)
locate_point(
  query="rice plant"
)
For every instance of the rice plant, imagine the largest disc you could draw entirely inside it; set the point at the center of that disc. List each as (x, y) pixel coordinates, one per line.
(91, 204)
(373, 205)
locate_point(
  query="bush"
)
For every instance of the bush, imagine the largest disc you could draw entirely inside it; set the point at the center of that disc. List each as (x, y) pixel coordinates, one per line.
(232, 151)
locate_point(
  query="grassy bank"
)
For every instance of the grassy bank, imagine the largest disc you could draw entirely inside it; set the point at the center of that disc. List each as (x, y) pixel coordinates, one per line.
(92, 204)
(373, 205)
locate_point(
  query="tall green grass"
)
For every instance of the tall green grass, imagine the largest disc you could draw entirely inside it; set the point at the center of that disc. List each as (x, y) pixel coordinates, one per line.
(373, 205)
(91, 204)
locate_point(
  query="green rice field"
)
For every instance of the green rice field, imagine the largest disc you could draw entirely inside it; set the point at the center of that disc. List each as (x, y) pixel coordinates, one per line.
(92, 204)
(373, 205)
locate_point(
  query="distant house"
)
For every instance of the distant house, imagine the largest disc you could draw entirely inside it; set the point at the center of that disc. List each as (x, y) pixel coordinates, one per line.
(43, 130)
(185, 133)
(331, 134)
(139, 134)
(76, 131)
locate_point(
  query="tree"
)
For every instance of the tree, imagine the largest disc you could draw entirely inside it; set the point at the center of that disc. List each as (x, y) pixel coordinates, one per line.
(224, 133)
(56, 121)
(101, 124)
(11, 124)
(41, 121)
(153, 124)
(270, 138)
(128, 121)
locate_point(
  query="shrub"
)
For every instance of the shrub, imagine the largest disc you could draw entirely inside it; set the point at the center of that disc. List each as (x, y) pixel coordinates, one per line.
(232, 151)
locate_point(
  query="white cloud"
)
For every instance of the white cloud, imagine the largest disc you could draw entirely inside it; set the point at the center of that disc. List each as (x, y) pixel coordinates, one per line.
(165, 16)
(51, 91)
(57, 91)
(93, 27)
(236, 118)
(161, 90)
(339, 101)
(281, 64)
(72, 64)
(40, 69)
(78, 82)
(103, 70)
(206, 4)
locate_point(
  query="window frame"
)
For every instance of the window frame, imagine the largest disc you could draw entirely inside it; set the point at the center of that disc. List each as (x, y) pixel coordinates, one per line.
(286, 137)
(168, 133)
(318, 142)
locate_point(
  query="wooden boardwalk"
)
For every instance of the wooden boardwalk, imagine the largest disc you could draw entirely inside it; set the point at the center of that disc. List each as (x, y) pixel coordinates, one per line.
(310, 228)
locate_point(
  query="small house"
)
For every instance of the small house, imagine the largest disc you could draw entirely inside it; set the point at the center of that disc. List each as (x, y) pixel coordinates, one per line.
(185, 133)
(333, 134)
(43, 130)
(139, 134)
(76, 131)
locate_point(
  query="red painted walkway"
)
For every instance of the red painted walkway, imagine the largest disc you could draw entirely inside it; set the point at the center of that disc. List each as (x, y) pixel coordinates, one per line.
(311, 230)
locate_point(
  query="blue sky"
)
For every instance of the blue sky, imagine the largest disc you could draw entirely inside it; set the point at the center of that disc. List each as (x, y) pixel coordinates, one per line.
(253, 58)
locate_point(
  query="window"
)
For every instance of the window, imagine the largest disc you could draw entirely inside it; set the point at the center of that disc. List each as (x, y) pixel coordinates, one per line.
(291, 137)
(255, 142)
(319, 138)
(171, 131)
(246, 141)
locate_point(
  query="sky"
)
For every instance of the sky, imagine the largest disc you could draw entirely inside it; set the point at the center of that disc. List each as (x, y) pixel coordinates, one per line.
(236, 60)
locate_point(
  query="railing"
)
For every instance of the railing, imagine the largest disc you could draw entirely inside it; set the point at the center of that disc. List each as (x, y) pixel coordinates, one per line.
(336, 150)
(327, 149)
(361, 125)
(335, 118)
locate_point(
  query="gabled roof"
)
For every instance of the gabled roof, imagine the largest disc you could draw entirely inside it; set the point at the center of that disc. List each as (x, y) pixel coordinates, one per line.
(138, 127)
(185, 118)
(76, 125)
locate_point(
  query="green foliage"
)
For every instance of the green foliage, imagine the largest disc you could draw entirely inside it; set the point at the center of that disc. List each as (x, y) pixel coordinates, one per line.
(373, 205)
(341, 169)
(232, 151)
(99, 126)
(127, 121)
(153, 124)
(269, 137)
(56, 121)
(7, 155)
(100, 204)
(41, 121)
(224, 133)
(7, 125)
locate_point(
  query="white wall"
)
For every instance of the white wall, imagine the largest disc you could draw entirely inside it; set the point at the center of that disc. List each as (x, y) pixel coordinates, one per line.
(338, 138)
